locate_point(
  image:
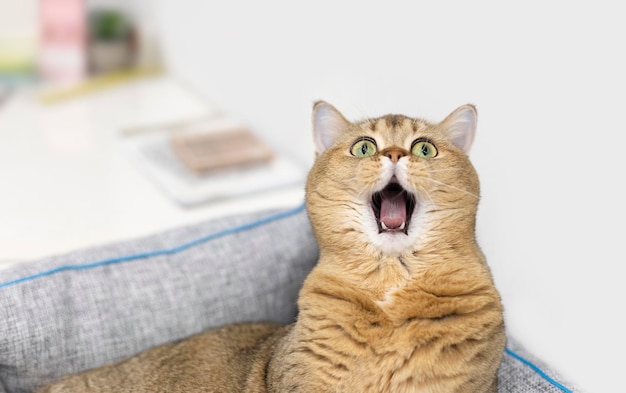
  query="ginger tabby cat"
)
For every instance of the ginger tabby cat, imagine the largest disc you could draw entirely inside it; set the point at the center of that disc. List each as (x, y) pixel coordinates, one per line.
(401, 299)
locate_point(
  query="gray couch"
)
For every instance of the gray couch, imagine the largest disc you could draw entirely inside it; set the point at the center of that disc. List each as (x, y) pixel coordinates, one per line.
(72, 312)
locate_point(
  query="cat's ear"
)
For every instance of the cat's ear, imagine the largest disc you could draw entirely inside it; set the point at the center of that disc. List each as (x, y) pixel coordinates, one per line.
(328, 124)
(460, 126)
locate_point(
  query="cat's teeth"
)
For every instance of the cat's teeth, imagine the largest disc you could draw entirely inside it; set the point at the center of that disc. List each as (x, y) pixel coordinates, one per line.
(385, 228)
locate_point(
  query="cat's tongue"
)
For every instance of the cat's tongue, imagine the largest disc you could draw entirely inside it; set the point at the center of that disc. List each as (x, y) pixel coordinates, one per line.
(393, 209)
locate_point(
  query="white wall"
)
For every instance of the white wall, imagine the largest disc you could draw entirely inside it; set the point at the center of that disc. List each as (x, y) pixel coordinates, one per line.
(548, 81)
(18, 18)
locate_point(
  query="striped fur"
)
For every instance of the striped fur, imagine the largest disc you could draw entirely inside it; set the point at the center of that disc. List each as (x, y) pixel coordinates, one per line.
(413, 311)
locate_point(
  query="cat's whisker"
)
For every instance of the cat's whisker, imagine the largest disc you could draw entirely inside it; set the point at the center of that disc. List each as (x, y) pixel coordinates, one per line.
(425, 192)
(350, 179)
(447, 170)
(453, 187)
(446, 209)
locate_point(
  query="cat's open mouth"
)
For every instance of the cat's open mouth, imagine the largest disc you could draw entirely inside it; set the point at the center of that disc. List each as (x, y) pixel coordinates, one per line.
(393, 207)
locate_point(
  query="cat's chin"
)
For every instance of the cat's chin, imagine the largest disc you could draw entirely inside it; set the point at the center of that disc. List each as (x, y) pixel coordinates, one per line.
(393, 243)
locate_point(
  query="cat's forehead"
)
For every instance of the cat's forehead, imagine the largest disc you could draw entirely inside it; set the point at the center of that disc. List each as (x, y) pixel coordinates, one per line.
(394, 129)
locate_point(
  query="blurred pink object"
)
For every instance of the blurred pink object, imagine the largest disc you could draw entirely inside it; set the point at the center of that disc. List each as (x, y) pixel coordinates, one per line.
(63, 41)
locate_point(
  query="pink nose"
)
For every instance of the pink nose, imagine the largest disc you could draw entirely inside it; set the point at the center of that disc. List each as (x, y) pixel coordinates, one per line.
(394, 153)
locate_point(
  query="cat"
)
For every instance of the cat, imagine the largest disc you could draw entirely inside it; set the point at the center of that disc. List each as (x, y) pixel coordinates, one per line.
(401, 299)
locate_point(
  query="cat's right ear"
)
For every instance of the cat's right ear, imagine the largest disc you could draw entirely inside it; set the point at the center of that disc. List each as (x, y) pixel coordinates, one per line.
(460, 126)
(328, 124)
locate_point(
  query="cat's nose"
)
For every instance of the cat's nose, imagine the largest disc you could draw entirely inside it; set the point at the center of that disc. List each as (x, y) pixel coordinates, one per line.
(394, 153)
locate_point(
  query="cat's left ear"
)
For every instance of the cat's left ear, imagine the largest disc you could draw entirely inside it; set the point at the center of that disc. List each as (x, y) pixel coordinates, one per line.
(328, 124)
(460, 126)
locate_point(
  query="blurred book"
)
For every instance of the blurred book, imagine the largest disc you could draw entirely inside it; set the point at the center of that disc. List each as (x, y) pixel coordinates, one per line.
(17, 61)
(63, 57)
(204, 152)
(18, 47)
(208, 159)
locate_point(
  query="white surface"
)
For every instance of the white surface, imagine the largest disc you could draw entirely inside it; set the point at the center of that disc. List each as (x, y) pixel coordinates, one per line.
(66, 183)
(548, 80)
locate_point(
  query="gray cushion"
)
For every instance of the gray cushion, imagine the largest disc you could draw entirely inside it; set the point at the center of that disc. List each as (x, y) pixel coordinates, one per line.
(522, 372)
(72, 312)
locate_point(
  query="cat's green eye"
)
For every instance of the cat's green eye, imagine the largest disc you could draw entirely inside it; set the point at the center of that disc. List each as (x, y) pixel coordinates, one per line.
(364, 147)
(424, 149)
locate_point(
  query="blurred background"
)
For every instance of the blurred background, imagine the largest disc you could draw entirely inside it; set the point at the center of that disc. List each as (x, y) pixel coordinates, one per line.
(92, 92)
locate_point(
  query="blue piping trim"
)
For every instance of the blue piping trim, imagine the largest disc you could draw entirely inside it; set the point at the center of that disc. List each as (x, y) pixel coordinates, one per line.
(537, 370)
(149, 254)
(213, 236)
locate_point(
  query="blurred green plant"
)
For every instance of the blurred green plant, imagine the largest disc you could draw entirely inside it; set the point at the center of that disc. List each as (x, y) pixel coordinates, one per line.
(109, 25)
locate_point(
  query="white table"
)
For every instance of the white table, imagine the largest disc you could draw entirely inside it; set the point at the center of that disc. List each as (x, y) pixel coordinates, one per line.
(65, 184)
